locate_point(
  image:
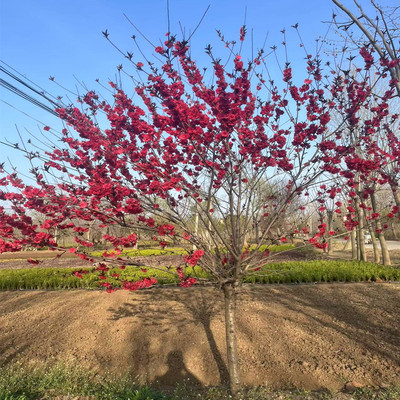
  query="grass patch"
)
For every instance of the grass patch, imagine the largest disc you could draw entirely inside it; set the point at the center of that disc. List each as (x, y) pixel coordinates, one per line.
(63, 278)
(181, 251)
(275, 248)
(147, 252)
(43, 382)
(283, 272)
(18, 382)
(323, 271)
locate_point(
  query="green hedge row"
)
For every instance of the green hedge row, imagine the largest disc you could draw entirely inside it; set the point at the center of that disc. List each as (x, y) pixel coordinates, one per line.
(284, 272)
(323, 271)
(181, 250)
(147, 252)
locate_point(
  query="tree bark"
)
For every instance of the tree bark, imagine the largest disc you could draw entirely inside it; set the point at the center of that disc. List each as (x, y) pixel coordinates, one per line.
(377, 256)
(231, 339)
(353, 245)
(196, 226)
(330, 219)
(381, 236)
(256, 230)
(396, 196)
(360, 231)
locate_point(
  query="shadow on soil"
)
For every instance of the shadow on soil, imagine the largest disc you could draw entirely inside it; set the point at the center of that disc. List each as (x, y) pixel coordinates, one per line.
(154, 311)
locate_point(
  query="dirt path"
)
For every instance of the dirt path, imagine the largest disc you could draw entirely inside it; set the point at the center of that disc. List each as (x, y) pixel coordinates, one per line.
(308, 336)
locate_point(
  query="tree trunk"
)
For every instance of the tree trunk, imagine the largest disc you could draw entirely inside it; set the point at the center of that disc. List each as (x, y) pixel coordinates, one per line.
(363, 253)
(231, 342)
(377, 256)
(396, 196)
(381, 236)
(56, 235)
(358, 240)
(360, 231)
(330, 219)
(353, 245)
(256, 230)
(196, 227)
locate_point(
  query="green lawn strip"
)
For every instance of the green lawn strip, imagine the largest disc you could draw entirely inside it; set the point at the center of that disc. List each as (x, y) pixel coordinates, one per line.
(146, 252)
(50, 381)
(283, 272)
(323, 271)
(63, 278)
(181, 251)
(275, 248)
(18, 382)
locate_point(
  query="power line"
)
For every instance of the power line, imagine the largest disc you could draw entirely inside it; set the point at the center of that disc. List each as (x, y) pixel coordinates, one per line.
(25, 94)
(41, 93)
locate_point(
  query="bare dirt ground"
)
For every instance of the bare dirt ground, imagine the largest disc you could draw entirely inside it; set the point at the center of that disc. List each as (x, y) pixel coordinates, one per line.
(305, 336)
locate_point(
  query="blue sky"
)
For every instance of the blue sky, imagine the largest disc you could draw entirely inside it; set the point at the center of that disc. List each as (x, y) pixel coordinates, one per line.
(44, 38)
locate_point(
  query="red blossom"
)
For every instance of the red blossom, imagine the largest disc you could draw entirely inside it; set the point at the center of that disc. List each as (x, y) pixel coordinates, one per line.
(187, 236)
(242, 33)
(142, 284)
(185, 281)
(194, 258)
(287, 74)
(34, 262)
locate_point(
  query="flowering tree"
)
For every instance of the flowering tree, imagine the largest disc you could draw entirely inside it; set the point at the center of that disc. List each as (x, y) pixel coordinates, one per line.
(182, 145)
(380, 33)
(381, 52)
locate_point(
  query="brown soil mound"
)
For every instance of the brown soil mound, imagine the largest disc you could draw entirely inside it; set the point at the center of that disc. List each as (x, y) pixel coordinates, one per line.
(307, 336)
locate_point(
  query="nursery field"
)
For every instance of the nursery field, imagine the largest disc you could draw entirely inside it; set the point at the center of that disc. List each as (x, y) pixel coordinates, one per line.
(319, 331)
(304, 336)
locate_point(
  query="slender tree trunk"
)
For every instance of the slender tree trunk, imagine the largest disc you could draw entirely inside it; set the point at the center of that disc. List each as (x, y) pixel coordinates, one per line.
(330, 219)
(360, 231)
(363, 253)
(353, 245)
(377, 257)
(56, 235)
(381, 236)
(196, 226)
(396, 196)
(358, 240)
(256, 229)
(231, 342)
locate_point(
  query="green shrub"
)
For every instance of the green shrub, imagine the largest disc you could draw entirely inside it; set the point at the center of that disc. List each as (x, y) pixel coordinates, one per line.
(323, 271)
(63, 278)
(275, 248)
(283, 272)
(147, 252)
